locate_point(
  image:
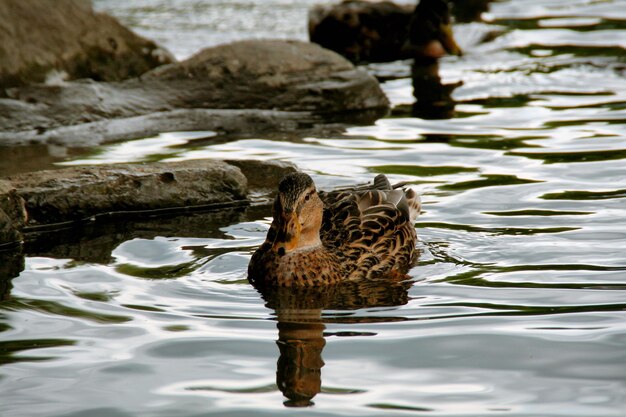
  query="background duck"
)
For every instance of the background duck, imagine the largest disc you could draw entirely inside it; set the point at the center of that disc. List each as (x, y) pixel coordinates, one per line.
(325, 238)
(383, 31)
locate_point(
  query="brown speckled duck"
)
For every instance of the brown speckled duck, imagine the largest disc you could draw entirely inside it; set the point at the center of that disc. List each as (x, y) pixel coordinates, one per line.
(323, 238)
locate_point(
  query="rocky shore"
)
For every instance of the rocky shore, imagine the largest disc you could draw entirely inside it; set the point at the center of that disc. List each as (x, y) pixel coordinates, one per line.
(270, 80)
(75, 77)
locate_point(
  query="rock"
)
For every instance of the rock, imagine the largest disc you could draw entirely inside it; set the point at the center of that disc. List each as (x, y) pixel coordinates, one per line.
(263, 175)
(12, 204)
(382, 31)
(77, 193)
(9, 235)
(31, 200)
(267, 76)
(12, 214)
(66, 39)
(286, 75)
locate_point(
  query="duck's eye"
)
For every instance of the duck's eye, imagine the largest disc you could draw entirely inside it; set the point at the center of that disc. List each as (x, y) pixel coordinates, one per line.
(307, 197)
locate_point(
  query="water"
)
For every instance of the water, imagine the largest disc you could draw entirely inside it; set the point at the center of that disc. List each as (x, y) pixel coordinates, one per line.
(517, 306)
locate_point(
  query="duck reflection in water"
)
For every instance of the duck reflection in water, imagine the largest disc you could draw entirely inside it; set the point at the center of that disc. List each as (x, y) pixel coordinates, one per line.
(433, 99)
(301, 326)
(430, 38)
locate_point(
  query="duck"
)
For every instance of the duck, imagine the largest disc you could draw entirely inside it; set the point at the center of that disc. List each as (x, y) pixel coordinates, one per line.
(366, 31)
(430, 32)
(325, 238)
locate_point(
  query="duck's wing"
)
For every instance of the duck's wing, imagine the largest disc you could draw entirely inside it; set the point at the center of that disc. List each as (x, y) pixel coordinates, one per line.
(380, 183)
(373, 229)
(404, 199)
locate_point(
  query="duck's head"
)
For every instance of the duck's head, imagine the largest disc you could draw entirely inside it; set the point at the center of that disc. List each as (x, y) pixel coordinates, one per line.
(430, 32)
(297, 214)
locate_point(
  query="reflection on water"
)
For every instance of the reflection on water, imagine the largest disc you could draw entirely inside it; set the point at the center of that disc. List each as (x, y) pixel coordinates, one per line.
(299, 367)
(433, 99)
(301, 328)
(515, 308)
(18, 159)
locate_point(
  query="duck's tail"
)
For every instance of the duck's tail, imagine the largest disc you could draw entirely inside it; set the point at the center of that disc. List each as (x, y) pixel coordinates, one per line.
(415, 203)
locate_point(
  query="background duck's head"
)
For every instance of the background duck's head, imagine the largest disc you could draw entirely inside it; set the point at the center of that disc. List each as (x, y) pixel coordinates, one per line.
(430, 31)
(297, 214)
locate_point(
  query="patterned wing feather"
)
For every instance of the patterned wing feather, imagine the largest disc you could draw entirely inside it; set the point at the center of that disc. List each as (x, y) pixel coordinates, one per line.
(371, 230)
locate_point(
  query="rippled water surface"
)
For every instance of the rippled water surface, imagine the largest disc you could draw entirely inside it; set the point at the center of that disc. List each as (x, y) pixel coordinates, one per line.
(516, 308)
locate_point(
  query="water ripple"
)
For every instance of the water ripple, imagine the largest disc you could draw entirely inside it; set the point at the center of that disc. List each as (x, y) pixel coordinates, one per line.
(515, 308)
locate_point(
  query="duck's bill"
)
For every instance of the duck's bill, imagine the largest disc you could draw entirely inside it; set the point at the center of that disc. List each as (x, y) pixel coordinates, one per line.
(288, 233)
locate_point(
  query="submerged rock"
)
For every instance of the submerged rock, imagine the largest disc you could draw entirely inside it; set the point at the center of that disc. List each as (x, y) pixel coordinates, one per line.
(267, 76)
(65, 39)
(51, 197)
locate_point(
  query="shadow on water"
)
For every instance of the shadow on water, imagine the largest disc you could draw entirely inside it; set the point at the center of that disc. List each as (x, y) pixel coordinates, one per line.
(34, 157)
(11, 351)
(301, 328)
(94, 242)
(11, 264)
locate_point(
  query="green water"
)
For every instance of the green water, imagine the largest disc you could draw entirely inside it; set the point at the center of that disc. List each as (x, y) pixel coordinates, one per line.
(516, 308)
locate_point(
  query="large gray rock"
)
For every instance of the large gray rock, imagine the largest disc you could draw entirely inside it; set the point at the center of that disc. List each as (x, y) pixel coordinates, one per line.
(30, 200)
(43, 39)
(263, 176)
(269, 76)
(78, 193)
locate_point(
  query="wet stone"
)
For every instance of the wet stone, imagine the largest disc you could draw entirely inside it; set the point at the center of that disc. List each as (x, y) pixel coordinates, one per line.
(65, 39)
(74, 194)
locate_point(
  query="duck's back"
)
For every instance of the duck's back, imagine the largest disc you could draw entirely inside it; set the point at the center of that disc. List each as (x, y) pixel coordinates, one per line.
(371, 229)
